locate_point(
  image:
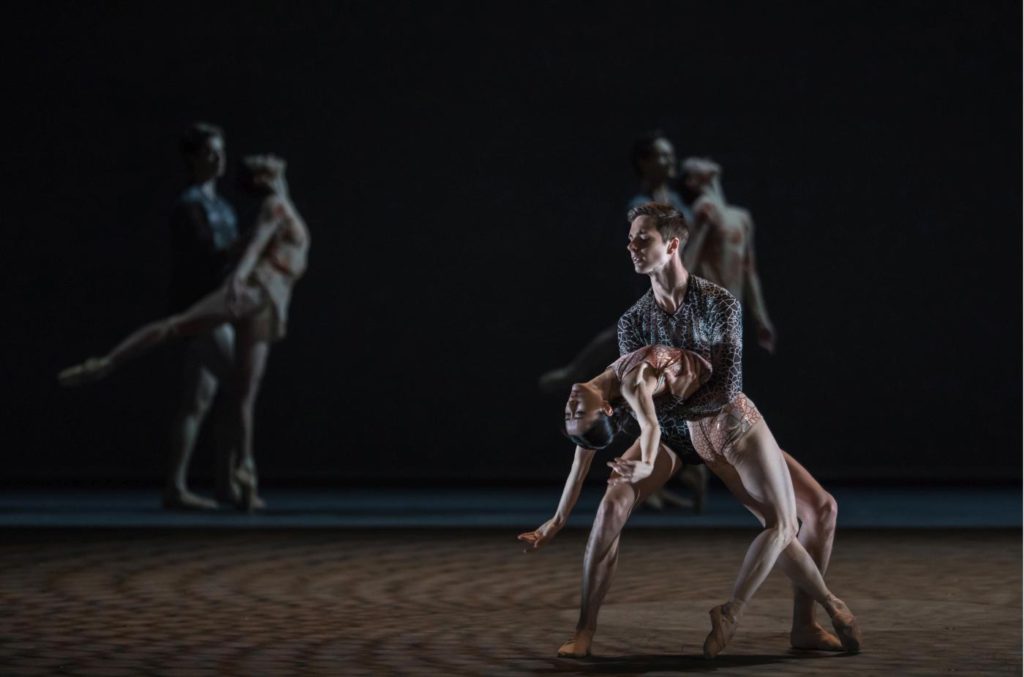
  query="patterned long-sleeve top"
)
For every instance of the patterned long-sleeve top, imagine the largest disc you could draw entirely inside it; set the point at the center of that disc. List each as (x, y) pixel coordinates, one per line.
(710, 323)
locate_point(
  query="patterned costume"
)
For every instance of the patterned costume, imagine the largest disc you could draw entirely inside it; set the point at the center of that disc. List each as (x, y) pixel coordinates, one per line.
(709, 323)
(203, 231)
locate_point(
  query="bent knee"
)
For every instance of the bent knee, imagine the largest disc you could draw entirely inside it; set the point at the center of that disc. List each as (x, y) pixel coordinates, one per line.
(616, 504)
(784, 530)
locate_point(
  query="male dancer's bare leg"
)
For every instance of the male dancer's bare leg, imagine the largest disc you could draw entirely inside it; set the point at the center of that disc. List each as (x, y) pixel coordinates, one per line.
(816, 510)
(602, 551)
(208, 361)
(760, 480)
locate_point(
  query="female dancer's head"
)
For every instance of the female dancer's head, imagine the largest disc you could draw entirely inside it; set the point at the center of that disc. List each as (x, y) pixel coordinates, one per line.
(698, 173)
(657, 232)
(263, 174)
(590, 420)
(202, 147)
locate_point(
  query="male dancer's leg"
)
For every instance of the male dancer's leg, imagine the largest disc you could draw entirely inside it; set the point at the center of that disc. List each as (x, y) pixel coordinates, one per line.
(816, 510)
(208, 360)
(760, 480)
(602, 551)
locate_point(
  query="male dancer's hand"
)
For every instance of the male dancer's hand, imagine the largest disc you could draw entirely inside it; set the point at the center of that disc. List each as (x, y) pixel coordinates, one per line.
(535, 539)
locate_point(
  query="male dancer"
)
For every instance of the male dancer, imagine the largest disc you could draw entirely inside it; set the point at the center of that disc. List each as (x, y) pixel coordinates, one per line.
(654, 161)
(203, 230)
(678, 308)
(721, 247)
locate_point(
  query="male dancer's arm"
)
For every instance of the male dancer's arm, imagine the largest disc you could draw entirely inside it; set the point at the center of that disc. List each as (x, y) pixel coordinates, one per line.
(570, 495)
(752, 296)
(724, 315)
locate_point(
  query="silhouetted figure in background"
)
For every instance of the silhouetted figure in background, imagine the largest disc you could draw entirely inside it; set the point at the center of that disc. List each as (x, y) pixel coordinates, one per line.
(721, 248)
(254, 299)
(204, 229)
(654, 160)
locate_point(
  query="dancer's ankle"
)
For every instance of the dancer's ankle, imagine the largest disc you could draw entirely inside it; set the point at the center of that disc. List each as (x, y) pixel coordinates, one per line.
(734, 608)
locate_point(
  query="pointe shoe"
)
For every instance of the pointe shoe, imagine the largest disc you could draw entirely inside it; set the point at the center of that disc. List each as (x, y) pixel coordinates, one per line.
(577, 647)
(845, 624)
(723, 627)
(814, 638)
(186, 500)
(245, 477)
(93, 369)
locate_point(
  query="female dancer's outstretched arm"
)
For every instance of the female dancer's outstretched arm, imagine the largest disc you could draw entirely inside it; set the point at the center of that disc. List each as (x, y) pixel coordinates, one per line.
(641, 400)
(570, 494)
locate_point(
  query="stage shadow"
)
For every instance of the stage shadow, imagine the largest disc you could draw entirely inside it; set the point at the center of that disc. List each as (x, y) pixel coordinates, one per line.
(634, 664)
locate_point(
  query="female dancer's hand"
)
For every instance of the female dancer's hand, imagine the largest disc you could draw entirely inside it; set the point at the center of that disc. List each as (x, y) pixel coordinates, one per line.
(629, 472)
(539, 536)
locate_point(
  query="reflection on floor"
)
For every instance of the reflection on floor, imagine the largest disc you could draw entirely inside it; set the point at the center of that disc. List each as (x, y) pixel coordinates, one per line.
(507, 508)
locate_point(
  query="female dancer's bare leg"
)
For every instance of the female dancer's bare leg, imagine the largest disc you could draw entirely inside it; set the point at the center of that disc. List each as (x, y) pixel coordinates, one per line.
(207, 313)
(760, 480)
(252, 351)
(602, 551)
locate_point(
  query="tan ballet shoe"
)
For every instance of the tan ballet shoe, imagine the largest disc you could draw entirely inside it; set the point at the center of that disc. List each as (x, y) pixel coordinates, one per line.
(92, 369)
(723, 627)
(845, 624)
(577, 647)
(814, 638)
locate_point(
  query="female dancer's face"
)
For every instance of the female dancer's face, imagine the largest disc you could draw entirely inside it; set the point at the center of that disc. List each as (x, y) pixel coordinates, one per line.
(647, 249)
(584, 406)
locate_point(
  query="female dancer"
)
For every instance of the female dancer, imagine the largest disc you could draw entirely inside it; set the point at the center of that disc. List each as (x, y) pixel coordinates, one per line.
(736, 445)
(254, 298)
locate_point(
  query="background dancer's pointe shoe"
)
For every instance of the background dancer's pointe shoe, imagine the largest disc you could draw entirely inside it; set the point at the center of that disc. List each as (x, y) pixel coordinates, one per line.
(186, 500)
(92, 369)
(845, 624)
(723, 627)
(245, 477)
(814, 638)
(577, 647)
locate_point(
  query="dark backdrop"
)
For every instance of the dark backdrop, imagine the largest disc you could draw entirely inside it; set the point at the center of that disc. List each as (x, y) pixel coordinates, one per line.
(463, 169)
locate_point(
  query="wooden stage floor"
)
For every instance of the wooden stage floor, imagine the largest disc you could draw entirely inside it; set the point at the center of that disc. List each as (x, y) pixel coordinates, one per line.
(468, 602)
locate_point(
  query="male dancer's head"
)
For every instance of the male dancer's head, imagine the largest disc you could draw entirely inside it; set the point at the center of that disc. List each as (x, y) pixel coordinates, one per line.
(657, 235)
(202, 147)
(654, 159)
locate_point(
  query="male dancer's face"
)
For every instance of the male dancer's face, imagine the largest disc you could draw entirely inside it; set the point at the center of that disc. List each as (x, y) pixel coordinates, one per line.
(647, 248)
(211, 161)
(660, 165)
